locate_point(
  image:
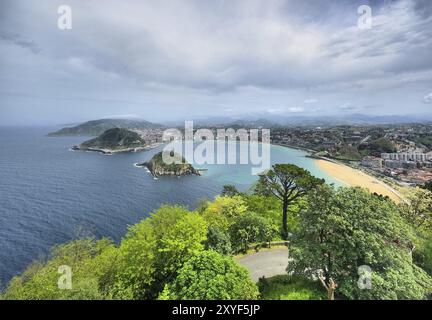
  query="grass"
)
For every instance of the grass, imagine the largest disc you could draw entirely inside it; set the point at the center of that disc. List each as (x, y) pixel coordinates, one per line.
(286, 287)
(253, 250)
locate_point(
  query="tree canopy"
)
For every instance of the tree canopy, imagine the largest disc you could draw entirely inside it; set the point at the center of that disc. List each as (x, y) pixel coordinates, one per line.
(418, 209)
(211, 276)
(345, 229)
(356, 244)
(251, 228)
(286, 182)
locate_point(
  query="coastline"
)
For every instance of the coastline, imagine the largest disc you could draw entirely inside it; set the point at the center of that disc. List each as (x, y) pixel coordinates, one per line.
(350, 176)
(337, 170)
(357, 178)
(309, 151)
(111, 152)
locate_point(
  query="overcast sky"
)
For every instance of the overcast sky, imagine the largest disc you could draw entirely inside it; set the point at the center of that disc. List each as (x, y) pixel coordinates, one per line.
(176, 59)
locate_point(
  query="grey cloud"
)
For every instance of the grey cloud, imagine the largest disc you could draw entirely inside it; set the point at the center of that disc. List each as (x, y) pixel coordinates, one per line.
(423, 7)
(19, 41)
(212, 51)
(208, 53)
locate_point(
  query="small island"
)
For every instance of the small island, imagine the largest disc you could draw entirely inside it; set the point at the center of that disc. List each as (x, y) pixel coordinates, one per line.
(114, 140)
(158, 167)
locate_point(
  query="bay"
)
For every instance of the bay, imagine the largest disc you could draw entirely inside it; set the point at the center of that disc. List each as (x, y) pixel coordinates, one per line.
(50, 195)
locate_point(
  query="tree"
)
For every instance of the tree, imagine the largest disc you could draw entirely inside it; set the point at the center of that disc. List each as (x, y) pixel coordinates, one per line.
(218, 240)
(268, 207)
(251, 228)
(136, 263)
(329, 285)
(40, 280)
(422, 255)
(229, 191)
(378, 146)
(223, 211)
(287, 182)
(418, 213)
(428, 185)
(418, 210)
(345, 229)
(148, 257)
(211, 276)
(155, 249)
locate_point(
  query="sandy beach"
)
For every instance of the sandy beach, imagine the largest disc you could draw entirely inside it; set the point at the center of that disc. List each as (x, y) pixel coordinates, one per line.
(354, 178)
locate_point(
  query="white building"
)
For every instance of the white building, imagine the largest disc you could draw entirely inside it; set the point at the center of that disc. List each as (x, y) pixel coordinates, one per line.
(405, 156)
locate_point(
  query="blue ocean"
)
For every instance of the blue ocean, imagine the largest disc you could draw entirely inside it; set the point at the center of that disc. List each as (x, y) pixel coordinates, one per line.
(50, 194)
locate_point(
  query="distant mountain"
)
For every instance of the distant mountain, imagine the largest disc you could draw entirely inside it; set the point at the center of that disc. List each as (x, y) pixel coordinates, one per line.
(259, 123)
(227, 122)
(352, 119)
(389, 119)
(114, 140)
(97, 127)
(267, 120)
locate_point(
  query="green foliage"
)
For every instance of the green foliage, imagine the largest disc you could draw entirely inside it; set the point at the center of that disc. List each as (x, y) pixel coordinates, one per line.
(230, 191)
(178, 254)
(116, 138)
(345, 229)
(184, 239)
(147, 258)
(378, 146)
(40, 279)
(268, 207)
(347, 152)
(286, 287)
(177, 165)
(423, 140)
(418, 213)
(209, 276)
(418, 210)
(136, 262)
(251, 228)
(428, 186)
(422, 256)
(156, 248)
(222, 212)
(218, 240)
(288, 183)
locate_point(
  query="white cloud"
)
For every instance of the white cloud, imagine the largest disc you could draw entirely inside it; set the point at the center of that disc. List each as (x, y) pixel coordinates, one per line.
(428, 98)
(276, 110)
(296, 109)
(346, 106)
(308, 101)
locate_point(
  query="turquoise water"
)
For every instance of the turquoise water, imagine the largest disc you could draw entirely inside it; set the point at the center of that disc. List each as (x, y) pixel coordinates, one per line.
(50, 195)
(241, 175)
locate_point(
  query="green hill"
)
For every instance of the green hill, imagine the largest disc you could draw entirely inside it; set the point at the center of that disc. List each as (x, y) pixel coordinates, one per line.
(97, 127)
(115, 139)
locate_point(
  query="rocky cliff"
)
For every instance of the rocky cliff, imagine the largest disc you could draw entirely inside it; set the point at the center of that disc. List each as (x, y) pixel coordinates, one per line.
(158, 167)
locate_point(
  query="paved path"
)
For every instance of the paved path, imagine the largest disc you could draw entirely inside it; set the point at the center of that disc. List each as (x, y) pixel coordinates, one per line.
(266, 263)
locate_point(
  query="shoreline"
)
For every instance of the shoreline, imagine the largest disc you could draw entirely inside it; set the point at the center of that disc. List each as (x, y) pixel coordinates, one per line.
(357, 178)
(309, 151)
(339, 171)
(350, 176)
(111, 152)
